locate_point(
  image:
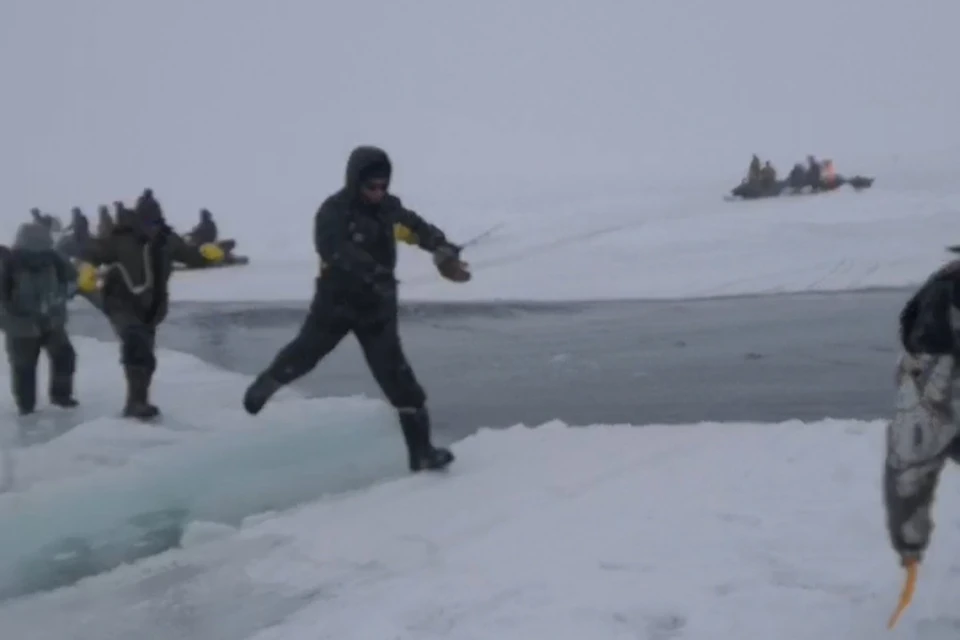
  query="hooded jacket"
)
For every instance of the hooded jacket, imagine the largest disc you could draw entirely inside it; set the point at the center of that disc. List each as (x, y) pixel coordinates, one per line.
(205, 231)
(355, 240)
(36, 284)
(139, 264)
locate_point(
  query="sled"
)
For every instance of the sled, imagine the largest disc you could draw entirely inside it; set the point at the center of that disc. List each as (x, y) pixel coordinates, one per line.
(230, 261)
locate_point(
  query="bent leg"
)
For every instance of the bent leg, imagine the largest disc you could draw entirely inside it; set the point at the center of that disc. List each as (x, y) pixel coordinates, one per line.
(319, 334)
(389, 366)
(23, 354)
(63, 364)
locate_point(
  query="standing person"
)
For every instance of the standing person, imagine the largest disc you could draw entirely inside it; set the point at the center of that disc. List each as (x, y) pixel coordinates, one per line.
(104, 221)
(138, 256)
(35, 284)
(356, 291)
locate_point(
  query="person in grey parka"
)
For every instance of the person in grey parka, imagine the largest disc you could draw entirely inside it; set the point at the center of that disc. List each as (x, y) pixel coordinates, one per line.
(36, 283)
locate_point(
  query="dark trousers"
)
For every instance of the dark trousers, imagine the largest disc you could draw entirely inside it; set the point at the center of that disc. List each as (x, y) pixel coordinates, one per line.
(24, 355)
(323, 330)
(137, 354)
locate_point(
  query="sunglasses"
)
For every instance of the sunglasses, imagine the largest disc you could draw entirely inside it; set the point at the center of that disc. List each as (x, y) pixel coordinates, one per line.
(375, 185)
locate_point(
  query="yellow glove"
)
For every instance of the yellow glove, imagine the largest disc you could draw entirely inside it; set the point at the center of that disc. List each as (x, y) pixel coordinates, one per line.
(86, 277)
(403, 234)
(212, 252)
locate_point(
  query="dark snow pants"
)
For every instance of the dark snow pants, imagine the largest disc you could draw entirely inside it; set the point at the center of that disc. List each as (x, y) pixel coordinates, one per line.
(379, 337)
(24, 356)
(137, 354)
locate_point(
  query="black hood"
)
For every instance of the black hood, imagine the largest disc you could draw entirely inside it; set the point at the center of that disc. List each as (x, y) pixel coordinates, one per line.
(147, 209)
(364, 162)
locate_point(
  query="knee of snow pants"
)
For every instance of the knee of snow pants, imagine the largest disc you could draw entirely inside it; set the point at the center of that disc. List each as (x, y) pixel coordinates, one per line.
(63, 357)
(23, 353)
(319, 335)
(137, 346)
(389, 366)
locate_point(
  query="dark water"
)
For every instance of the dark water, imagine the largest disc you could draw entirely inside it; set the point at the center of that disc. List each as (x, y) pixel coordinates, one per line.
(762, 358)
(751, 359)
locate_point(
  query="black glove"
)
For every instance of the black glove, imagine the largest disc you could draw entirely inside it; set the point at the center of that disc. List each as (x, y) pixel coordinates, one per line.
(446, 252)
(447, 260)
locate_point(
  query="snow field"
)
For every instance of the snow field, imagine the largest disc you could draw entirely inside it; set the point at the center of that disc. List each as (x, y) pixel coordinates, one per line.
(665, 248)
(698, 532)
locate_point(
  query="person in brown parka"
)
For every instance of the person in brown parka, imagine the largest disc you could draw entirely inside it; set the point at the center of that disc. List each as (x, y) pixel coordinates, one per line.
(138, 257)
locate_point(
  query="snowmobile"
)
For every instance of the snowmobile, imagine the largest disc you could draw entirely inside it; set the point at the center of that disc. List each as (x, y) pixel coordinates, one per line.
(754, 191)
(230, 259)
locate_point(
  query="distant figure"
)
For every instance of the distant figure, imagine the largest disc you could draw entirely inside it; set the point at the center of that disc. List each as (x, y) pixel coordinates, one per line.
(124, 217)
(147, 207)
(79, 226)
(45, 220)
(753, 172)
(813, 173)
(797, 178)
(104, 222)
(768, 176)
(828, 175)
(205, 231)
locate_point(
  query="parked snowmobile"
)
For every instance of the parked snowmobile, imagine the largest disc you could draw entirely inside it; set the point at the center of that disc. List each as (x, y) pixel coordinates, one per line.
(206, 233)
(818, 178)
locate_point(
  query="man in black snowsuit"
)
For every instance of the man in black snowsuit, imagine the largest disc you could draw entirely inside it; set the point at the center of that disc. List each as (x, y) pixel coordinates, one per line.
(78, 234)
(356, 292)
(36, 283)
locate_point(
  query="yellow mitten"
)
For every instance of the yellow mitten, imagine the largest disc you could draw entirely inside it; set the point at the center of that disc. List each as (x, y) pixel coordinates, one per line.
(86, 277)
(403, 234)
(211, 252)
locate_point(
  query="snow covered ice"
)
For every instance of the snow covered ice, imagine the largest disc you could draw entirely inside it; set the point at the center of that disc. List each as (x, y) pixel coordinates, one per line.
(598, 139)
(108, 491)
(701, 532)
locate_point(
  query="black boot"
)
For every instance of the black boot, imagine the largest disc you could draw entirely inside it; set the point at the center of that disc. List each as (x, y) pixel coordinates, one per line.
(259, 393)
(24, 385)
(138, 394)
(422, 454)
(61, 391)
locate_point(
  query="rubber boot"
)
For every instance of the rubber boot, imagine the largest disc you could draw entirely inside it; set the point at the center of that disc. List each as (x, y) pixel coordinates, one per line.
(61, 391)
(23, 382)
(138, 392)
(259, 393)
(423, 456)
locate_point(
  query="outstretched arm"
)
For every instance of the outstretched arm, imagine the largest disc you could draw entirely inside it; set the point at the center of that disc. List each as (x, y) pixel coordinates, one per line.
(185, 253)
(99, 251)
(427, 236)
